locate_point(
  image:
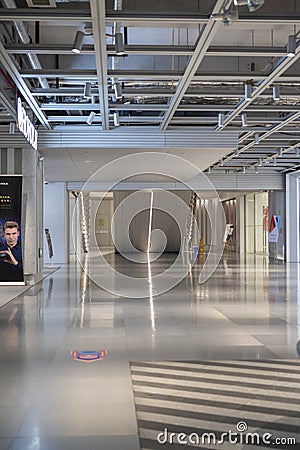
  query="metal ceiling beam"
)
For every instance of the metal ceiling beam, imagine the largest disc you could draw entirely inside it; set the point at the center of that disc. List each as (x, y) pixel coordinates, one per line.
(272, 130)
(99, 33)
(205, 38)
(6, 102)
(22, 87)
(91, 73)
(284, 64)
(263, 136)
(46, 14)
(279, 159)
(134, 18)
(47, 49)
(66, 49)
(169, 75)
(122, 119)
(213, 91)
(94, 106)
(286, 150)
(162, 107)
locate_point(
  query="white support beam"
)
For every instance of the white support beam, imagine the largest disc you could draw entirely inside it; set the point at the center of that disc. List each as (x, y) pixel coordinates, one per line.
(22, 87)
(265, 135)
(284, 64)
(8, 105)
(208, 33)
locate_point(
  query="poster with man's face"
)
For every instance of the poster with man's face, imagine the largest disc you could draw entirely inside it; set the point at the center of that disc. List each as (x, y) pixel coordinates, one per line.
(11, 261)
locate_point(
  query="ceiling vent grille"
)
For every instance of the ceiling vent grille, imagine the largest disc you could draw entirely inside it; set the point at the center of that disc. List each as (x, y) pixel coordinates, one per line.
(42, 3)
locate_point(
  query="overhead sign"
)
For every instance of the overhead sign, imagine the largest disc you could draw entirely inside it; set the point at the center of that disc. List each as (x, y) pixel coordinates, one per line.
(25, 125)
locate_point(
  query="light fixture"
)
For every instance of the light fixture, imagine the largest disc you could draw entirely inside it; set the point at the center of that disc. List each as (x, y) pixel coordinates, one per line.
(78, 41)
(260, 162)
(236, 152)
(221, 120)
(209, 169)
(256, 170)
(12, 127)
(276, 93)
(116, 119)
(253, 5)
(117, 90)
(244, 120)
(279, 153)
(291, 46)
(275, 161)
(227, 16)
(91, 118)
(221, 162)
(244, 169)
(256, 138)
(297, 151)
(119, 44)
(248, 92)
(87, 90)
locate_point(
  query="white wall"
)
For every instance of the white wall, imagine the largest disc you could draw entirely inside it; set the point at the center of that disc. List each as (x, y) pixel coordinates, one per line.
(162, 219)
(277, 206)
(56, 219)
(240, 224)
(292, 217)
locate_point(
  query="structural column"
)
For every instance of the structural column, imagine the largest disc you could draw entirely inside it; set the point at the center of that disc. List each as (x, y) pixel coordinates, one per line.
(292, 218)
(32, 214)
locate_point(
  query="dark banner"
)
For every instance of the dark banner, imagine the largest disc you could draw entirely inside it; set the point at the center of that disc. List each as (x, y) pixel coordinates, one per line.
(11, 263)
(49, 242)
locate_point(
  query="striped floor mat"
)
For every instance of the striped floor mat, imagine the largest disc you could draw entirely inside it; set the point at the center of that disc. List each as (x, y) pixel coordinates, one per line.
(217, 404)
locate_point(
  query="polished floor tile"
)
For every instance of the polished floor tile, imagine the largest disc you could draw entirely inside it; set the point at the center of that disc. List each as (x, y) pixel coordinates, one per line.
(249, 309)
(124, 442)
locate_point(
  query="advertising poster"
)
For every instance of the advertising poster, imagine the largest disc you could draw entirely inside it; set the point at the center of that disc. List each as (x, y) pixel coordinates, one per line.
(11, 261)
(274, 228)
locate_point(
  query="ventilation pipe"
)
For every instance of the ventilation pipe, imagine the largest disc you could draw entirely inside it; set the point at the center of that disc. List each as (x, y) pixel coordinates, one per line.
(23, 35)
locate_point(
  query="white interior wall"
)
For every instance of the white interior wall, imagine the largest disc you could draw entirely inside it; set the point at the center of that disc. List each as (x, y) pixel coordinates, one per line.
(292, 213)
(277, 206)
(56, 219)
(261, 235)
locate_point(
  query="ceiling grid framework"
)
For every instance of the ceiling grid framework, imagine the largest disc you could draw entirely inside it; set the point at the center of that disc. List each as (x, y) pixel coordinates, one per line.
(193, 86)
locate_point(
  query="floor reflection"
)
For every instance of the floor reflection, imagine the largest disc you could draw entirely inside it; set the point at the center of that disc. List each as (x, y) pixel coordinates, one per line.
(248, 309)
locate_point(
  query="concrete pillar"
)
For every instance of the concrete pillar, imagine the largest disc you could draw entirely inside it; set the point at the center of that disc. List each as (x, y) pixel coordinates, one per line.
(30, 214)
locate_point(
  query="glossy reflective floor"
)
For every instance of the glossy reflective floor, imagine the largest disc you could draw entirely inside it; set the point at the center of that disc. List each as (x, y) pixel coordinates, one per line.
(249, 309)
